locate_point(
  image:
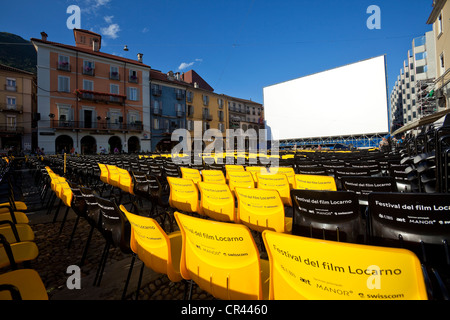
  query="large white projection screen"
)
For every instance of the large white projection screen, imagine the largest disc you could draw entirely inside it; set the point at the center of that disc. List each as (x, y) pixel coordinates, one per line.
(348, 100)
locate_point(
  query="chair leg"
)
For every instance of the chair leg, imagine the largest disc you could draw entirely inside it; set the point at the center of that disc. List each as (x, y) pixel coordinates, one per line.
(57, 211)
(124, 293)
(73, 232)
(101, 266)
(64, 220)
(140, 280)
(83, 258)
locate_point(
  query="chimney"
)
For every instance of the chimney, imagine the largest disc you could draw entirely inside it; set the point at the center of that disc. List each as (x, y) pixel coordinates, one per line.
(95, 45)
(44, 36)
(139, 55)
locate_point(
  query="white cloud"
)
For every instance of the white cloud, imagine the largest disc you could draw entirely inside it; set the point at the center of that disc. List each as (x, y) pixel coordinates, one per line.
(185, 65)
(108, 19)
(145, 30)
(111, 31)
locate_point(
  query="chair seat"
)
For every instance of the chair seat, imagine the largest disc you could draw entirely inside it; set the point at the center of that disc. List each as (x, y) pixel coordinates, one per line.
(24, 231)
(20, 217)
(27, 281)
(20, 206)
(22, 251)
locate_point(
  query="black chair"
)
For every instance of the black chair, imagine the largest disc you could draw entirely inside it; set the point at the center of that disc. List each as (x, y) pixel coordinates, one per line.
(330, 215)
(349, 171)
(116, 230)
(418, 222)
(363, 185)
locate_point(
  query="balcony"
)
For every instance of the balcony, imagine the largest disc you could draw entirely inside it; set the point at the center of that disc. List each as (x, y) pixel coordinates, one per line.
(180, 114)
(207, 117)
(101, 125)
(4, 107)
(100, 97)
(11, 88)
(157, 110)
(133, 79)
(89, 71)
(156, 92)
(63, 66)
(12, 129)
(114, 76)
(179, 96)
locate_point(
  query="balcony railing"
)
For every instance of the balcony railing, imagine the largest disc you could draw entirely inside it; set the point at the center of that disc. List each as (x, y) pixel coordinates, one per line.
(133, 79)
(11, 107)
(10, 88)
(96, 125)
(100, 97)
(12, 129)
(63, 66)
(89, 71)
(114, 76)
(207, 117)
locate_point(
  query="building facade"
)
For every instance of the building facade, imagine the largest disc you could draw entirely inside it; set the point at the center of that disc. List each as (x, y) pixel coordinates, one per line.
(440, 19)
(89, 100)
(17, 110)
(412, 96)
(168, 108)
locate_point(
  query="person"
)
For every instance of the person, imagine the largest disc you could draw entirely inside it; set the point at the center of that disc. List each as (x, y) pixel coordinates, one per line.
(116, 151)
(102, 150)
(384, 145)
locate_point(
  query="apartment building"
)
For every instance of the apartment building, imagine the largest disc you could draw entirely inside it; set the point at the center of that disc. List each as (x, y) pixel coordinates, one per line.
(440, 19)
(17, 107)
(412, 97)
(88, 99)
(168, 108)
(205, 109)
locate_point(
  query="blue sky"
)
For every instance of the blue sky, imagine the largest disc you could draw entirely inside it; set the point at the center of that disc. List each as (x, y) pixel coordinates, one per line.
(237, 46)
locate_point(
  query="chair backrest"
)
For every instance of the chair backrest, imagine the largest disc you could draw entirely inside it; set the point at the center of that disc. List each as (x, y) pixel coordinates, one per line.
(115, 225)
(93, 210)
(331, 215)
(288, 171)
(183, 194)
(125, 181)
(113, 175)
(217, 201)
(104, 174)
(241, 179)
(215, 176)
(190, 173)
(363, 185)
(417, 221)
(140, 184)
(277, 182)
(260, 209)
(306, 268)
(231, 168)
(255, 170)
(314, 182)
(152, 244)
(78, 203)
(221, 258)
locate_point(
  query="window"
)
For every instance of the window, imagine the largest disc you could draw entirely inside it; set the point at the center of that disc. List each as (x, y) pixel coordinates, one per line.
(63, 63)
(190, 96)
(88, 85)
(114, 73)
(11, 102)
(439, 25)
(179, 109)
(64, 115)
(133, 76)
(11, 122)
(133, 94)
(221, 115)
(421, 69)
(190, 125)
(221, 127)
(63, 84)
(220, 102)
(155, 123)
(205, 100)
(11, 84)
(88, 67)
(114, 89)
(442, 63)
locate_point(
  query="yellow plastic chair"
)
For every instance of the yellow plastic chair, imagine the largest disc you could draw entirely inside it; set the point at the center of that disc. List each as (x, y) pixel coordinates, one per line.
(14, 216)
(113, 175)
(277, 182)
(214, 176)
(231, 168)
(240, 179)
(104, 175)
(222, 259)
(16, 232)
(183, 194)
(12, 254)
(255, 170)
(217, 201)
(191, 173)
(307, 268)
(315, 182)
(125, 181)
(261, 209)
(23, 284)
(288, 171)
(158, 250)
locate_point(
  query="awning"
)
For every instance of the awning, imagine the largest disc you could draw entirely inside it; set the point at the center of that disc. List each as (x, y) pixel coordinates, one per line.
(422, 122)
